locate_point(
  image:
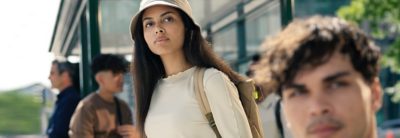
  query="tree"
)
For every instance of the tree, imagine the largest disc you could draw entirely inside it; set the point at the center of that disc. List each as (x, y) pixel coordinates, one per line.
(381, 19)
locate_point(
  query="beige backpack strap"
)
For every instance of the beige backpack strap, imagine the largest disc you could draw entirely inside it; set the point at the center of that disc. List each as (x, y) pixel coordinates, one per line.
(202, 99)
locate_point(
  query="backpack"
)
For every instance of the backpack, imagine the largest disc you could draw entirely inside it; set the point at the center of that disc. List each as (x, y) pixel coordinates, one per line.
(245, 89)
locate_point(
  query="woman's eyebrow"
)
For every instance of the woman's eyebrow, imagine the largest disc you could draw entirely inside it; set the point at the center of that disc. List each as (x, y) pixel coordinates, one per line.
(163, 14)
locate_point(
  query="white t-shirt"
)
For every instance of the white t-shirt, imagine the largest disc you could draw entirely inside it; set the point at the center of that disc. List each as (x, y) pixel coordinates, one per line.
(267, 113)
(175, 113)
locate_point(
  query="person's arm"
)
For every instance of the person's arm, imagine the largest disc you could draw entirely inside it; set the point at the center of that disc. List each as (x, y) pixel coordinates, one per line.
(82, 122)
(225, 105)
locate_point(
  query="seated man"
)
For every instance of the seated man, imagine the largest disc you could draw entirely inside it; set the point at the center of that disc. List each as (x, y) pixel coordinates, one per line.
(326, 72)
(101, 114)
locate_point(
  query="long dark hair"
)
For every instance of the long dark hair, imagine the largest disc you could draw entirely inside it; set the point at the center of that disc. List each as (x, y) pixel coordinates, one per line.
(147, 67)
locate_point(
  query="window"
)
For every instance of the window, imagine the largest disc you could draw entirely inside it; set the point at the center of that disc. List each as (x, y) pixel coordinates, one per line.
(260, 24)
(225, 43)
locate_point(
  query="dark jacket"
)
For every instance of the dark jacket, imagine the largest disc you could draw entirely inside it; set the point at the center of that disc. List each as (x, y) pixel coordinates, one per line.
(65, 106)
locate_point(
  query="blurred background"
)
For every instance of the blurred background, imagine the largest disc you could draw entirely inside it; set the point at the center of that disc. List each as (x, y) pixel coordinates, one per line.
(33, 33)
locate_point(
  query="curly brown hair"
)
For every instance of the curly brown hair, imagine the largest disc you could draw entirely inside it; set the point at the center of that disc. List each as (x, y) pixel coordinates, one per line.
(309, 43)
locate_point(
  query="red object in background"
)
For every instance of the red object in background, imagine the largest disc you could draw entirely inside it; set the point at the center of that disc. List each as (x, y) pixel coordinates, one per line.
(389, 134)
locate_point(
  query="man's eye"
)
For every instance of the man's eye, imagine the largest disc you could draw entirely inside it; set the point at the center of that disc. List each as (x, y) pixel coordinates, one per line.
(296, 93)
(338, 84)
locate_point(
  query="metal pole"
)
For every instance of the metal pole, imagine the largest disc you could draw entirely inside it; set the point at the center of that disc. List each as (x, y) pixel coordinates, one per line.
(94, 49)
(90, 46)
(286, 12)
(84, 70)
(93, 6)
(240, 37)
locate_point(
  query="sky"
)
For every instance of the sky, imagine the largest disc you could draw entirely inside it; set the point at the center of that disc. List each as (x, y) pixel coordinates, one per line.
(26, 28)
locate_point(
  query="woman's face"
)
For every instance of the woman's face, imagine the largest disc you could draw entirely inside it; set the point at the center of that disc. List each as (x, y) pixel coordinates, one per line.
(163, 30)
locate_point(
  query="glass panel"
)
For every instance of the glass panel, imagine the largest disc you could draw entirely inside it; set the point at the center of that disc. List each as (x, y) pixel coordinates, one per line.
(222, 4)
(261, 24)
(304, 8)
(115, 16)
(199, 10)
(225, 43)
(205, 10)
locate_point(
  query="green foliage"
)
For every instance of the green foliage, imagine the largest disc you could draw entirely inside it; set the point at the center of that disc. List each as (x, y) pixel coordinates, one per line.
(19, 114)
(383, 18)
(353, 12)
(392, 91)
(392, 56)
(375, 12)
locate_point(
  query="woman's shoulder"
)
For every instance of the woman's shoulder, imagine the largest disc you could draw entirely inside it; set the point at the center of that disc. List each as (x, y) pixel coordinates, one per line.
(213, 74)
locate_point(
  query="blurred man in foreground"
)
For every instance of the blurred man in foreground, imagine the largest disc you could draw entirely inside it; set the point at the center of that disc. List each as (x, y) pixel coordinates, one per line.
(326, 72)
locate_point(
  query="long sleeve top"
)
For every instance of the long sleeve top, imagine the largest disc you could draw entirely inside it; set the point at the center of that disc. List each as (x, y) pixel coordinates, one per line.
(175, 113)
(65, 106)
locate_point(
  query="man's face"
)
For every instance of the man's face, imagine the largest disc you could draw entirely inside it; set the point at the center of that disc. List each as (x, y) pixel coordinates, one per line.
(112, 82)
(332, 100)
(55, 77)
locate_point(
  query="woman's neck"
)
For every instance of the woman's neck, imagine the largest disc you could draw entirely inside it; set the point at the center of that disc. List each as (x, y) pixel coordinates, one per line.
(175, 63)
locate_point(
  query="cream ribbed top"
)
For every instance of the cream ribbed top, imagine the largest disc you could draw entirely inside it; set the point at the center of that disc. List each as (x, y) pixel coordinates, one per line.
(175, 113)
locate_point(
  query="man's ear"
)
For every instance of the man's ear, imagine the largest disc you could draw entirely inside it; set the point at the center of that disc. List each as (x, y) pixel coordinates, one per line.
(376, 94)
(65, 76)
(99, 78)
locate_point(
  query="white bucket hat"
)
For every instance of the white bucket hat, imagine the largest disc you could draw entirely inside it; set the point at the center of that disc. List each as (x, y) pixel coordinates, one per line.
(144, 4)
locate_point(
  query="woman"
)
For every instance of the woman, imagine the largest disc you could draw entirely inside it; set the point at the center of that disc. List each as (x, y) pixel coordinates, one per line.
(168, 48)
